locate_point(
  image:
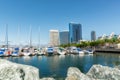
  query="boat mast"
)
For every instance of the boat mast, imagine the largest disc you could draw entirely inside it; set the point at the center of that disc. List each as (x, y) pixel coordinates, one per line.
(30, 36)
(6, 37)
(39, 37)
(18, 34)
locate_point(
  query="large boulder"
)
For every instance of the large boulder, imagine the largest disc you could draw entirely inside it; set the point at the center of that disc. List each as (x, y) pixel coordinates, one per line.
(14, 71)
(97, 72)
(118, 67)
(47, 78)
(104, 73)
(75, 74)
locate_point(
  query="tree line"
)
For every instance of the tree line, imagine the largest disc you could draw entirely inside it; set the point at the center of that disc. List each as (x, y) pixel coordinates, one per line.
(97, 43)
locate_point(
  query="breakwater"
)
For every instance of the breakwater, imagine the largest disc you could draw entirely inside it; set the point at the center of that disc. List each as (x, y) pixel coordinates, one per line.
(57, 66)
(13, 71)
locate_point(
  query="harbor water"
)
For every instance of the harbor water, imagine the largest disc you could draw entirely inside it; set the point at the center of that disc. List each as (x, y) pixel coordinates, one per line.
(56, 66)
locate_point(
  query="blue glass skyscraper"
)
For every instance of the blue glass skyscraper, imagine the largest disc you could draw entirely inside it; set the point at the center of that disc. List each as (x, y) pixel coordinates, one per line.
(75, 32)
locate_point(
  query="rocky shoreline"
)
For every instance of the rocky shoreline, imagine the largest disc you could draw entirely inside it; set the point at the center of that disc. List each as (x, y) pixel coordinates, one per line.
(14, 71)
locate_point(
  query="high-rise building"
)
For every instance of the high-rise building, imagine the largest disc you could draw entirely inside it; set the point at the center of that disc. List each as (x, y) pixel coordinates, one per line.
(93, 36)
(54, 37)
(75, 32)
(64, 37)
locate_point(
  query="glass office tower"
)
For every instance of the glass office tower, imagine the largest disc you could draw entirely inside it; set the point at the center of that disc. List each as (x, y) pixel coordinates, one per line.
(75, 32)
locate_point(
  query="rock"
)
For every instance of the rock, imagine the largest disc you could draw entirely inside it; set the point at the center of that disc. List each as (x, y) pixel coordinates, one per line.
(118, 67)
(104, 73)
(47, 79)
(14, 71)
(75, 74)
(97, 72)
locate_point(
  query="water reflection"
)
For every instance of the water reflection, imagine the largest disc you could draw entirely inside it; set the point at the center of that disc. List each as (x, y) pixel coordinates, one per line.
(26, 58)
(108, 59)
(61, 57)
(39, 57)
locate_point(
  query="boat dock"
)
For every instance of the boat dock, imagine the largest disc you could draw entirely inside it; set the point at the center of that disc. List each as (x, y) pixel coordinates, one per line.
(108, 50)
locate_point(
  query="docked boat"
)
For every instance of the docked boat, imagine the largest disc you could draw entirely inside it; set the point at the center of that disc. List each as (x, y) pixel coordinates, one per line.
(26, 52)
(74, 50)
(32, 52)
(40, 52)
(7, 52)
(80, 51)
(61, 51)
(89, 51)
(2, 52)
(49, 51)
(15, 52)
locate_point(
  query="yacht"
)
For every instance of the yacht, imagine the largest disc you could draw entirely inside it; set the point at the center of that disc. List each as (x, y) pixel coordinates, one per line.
(2, 50)
(61, 51)
(26, 52)
(49, 50)
(89, 51)
(40, 52)
(15, 52)
(80, 51)
(74, 50)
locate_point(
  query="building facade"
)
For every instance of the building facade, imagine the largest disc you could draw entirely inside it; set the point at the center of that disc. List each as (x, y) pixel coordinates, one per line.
(75, 32)
(64, 37)
(93, 35)
(54, 37)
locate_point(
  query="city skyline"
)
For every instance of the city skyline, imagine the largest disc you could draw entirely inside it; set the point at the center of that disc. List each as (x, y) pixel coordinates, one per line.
(101, 16)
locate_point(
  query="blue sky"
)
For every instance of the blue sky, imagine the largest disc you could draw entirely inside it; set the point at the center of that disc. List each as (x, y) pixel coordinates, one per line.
(103, 16)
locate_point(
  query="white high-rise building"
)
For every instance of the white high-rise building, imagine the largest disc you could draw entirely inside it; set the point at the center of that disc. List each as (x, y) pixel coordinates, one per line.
(54, 37)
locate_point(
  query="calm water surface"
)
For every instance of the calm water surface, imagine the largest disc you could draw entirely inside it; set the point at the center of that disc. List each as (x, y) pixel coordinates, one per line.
(57, 66)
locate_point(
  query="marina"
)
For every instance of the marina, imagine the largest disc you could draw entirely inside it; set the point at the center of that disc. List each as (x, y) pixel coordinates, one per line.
(59, 40)
(47, 51)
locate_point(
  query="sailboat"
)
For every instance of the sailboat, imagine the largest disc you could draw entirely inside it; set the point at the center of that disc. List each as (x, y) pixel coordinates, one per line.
(29, 51)
(7, 52)
(2, 50)
(16, 50)
(40, 51)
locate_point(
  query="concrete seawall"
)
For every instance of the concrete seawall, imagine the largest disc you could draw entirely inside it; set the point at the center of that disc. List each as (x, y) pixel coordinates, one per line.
(108, 50)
